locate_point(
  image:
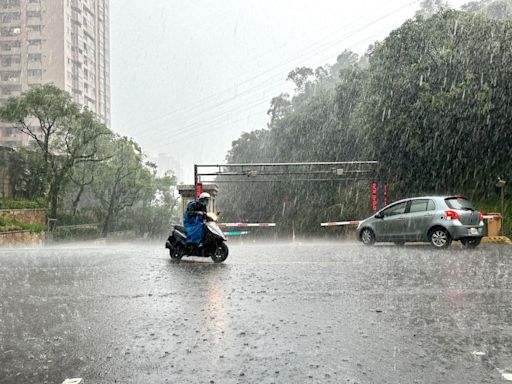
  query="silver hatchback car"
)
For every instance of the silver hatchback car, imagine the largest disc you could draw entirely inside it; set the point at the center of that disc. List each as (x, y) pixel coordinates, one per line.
(434, 219)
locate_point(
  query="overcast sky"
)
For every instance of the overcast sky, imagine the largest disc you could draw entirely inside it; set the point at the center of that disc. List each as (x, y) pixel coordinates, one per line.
(189, 76)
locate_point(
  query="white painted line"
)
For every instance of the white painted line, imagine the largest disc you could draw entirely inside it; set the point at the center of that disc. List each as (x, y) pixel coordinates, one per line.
(478, 353)
(72, 381)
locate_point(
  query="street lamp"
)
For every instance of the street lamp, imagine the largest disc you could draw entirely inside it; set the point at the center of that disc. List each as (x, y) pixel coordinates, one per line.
(501, 184)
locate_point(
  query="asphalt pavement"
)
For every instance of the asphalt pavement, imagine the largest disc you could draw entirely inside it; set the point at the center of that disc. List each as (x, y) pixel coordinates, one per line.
(303, 312)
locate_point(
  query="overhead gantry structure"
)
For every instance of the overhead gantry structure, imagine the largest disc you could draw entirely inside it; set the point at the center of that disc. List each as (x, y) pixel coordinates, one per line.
(285, 172)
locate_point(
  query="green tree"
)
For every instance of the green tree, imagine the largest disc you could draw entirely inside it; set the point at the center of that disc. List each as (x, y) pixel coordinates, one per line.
(153, 214)
(500, 9)
(430, 7)
(437, 104)
(121, 181)
(62, 134)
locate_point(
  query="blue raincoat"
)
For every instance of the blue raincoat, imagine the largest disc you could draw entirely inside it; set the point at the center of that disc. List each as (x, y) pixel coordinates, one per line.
(193, 222)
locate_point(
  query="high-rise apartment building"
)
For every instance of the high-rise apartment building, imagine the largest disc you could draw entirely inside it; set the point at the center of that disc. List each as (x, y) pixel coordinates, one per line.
(65, 42)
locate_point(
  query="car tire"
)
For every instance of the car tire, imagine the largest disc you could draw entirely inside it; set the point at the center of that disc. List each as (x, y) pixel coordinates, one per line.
(367, 236)
(440, 238)
(471, 243)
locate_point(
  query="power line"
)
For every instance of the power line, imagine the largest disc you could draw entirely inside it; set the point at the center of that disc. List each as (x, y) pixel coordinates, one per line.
(312, 51)
(189, 128)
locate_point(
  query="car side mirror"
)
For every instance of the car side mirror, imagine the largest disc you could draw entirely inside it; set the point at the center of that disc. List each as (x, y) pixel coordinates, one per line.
(379, 216)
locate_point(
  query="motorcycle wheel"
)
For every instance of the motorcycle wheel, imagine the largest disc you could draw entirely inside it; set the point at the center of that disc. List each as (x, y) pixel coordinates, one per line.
(221, 253)
(175, 253)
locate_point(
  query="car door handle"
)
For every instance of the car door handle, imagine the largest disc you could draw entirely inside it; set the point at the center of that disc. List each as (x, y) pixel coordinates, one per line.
(428, 215)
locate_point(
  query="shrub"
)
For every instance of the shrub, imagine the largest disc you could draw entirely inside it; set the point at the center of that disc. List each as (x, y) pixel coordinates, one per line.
(8, 225)
(76, 233)
(21, 204)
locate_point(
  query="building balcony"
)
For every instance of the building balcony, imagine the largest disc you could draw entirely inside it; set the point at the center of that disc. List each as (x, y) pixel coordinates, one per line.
(10, 66)
(10, 22)
(34, 65)
(10, 37)
(34, 35)
(34, 49)
(33, 7)
(10, 51)
(10, 82)
(34, 21)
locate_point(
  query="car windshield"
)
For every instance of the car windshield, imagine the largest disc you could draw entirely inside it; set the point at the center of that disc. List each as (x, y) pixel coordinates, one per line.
(459, 203)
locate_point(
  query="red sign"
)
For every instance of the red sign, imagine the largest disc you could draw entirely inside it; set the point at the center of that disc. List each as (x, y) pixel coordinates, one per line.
(374, 196)
(385, 194)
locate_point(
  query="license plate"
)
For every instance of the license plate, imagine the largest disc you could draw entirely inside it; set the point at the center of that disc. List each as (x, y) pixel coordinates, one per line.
(473, 231)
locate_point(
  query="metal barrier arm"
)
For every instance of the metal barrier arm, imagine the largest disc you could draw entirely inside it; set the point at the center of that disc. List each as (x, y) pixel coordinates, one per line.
(238, 225)
(338, 223)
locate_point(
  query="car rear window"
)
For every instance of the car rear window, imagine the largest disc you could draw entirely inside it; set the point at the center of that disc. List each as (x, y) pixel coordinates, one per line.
(459, 203)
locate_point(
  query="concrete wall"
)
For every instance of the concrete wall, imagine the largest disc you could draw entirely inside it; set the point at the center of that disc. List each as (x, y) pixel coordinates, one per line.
(31, 216)
(21, 238)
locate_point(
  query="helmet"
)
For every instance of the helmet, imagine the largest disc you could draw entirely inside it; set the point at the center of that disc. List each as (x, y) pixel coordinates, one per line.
(204, 195)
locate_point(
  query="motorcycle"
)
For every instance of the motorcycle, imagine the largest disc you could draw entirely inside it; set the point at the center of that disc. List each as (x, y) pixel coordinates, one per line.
(213, 244)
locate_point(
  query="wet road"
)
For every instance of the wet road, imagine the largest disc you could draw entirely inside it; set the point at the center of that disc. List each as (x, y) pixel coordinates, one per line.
(272, 313)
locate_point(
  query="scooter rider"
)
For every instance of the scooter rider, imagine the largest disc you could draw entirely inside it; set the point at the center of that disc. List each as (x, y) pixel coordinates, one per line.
(194, 217)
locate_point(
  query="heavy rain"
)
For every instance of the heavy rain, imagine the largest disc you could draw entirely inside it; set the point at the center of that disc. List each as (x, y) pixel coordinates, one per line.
(255, 192)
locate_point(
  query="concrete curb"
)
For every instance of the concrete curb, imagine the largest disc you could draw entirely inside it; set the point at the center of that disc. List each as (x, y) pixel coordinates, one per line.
(496, 240)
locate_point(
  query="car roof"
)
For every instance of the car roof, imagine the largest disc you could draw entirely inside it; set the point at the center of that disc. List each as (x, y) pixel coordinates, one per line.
(436, 197)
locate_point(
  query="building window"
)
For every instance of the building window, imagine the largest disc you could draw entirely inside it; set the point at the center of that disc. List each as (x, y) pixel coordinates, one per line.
(34, 14)
(9, 17)
(35, 42)
(35, 72)
(34, 57)
(34, 28)
(10, 31)
(8, 90)
(13, 76)
(8, 45)
(8, 60)
(10, 3)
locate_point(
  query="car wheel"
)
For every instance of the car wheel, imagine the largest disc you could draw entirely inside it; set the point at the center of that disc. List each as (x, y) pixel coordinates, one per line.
(367, 236)
(471, 242)
(440, 238)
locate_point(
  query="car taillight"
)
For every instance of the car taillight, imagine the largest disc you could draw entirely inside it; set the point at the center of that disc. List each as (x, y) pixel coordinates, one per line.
(481, 216)
(452, 215)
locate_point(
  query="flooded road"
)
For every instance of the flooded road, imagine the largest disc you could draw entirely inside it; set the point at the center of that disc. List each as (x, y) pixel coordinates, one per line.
(272, 313)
